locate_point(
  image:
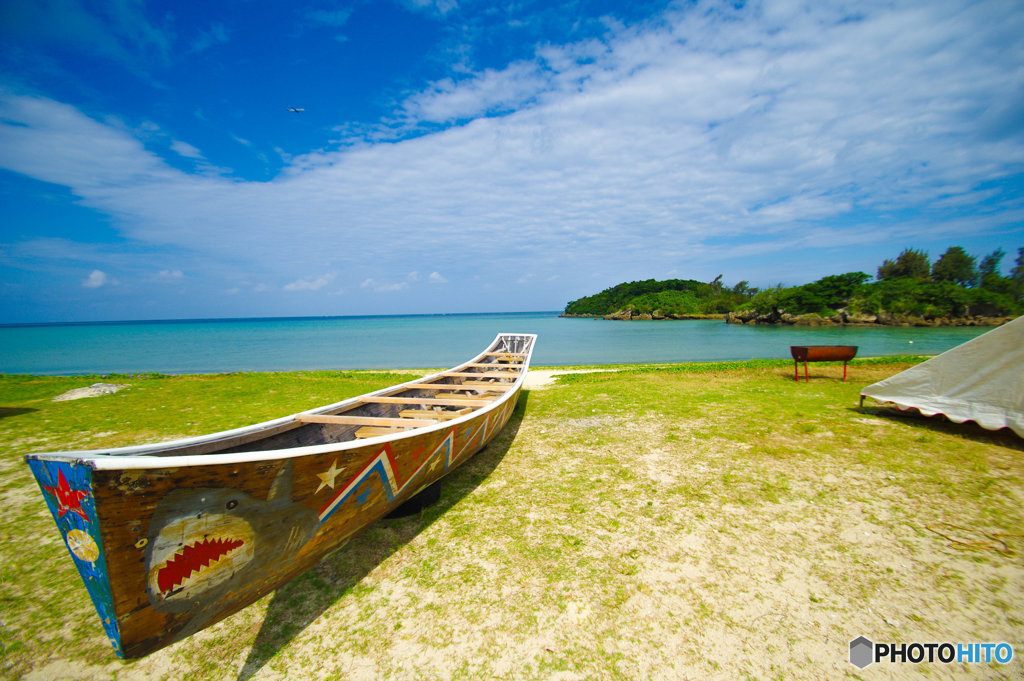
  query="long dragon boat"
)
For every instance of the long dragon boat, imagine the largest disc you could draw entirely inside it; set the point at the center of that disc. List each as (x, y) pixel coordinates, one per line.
(170, 538)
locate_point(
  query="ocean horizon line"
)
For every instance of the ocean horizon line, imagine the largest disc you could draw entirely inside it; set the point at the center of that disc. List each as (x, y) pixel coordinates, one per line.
(214, 320)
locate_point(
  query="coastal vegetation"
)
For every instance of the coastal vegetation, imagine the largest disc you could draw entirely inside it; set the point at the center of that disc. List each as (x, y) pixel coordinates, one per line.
(908, 290)
(674, 298)
(622, 526)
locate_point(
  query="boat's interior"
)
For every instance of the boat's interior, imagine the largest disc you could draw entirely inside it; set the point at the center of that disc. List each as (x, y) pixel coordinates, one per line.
(442, 397)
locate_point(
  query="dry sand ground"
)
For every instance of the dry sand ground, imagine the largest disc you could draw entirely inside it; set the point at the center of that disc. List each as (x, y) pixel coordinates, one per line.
(541, 378)
(603, 548)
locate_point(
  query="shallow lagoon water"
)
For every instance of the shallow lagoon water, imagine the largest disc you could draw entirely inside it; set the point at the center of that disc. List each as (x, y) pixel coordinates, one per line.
(419, 341)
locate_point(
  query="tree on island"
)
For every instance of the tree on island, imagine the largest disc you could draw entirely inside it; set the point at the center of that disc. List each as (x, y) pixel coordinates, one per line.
(909, 263)
(956, 266)
(988, 270)
(1017, 275)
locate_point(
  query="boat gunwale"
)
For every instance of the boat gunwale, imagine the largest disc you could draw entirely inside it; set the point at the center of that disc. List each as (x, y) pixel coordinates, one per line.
(136, 457)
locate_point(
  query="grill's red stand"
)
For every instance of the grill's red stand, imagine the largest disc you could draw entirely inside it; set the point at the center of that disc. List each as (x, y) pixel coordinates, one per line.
(820, 353)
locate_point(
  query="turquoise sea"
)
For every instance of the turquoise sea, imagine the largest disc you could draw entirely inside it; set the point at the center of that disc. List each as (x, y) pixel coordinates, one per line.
(420, 341)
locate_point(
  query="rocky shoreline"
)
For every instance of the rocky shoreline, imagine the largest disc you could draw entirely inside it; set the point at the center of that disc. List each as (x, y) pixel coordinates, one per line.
(632, 315)
(841, 318)
(844, 318)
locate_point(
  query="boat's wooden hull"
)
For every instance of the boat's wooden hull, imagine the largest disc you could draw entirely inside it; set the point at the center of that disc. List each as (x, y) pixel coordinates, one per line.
(168, 550)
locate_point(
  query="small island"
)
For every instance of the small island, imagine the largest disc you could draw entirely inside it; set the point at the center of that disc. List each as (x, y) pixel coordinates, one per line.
(910, 290)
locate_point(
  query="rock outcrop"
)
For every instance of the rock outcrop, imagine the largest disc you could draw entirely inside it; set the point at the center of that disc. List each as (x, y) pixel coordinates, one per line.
(94, 390)
(846, 318)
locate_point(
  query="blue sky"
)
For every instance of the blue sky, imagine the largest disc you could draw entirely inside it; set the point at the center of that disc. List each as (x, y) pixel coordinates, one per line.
(469, 156)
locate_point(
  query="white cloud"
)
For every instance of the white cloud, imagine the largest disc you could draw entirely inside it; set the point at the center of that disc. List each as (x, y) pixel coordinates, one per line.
(310, 284)
(433, 7)
(170, 276)
(384, 287)
(185, 149)
(96, 279)
(436, 278)
(393, 286)
(490, 91)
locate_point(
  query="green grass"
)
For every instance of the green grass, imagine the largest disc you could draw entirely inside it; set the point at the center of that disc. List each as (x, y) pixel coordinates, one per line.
(695, 521)
(155, 407)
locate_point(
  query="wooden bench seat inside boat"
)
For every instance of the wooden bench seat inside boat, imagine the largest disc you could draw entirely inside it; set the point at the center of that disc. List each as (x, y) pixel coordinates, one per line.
(465, 385)
(482, 396)
(362, 420)
(408, 417)
(374, 431)
(435, 415)
(458, 400)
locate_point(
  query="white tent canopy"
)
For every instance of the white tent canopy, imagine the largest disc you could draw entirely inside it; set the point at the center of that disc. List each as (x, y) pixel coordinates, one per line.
(981, 380)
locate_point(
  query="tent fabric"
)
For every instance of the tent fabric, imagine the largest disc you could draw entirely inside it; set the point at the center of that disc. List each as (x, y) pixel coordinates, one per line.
(981, 380)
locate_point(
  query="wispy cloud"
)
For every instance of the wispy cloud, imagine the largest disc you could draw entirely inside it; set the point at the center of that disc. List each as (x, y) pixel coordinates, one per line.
(384, 287)
(118, 30)
(392, 286)
(487, 93)
(310, 284)
(170, 276)
(432, 7)
(187, 150)
(216, 34)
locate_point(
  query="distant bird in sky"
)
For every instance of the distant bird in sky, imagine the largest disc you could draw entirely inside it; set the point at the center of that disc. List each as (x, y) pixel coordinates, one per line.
(295, 110)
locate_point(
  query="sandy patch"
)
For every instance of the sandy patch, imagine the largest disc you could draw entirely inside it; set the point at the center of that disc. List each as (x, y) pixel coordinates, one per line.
(538, 379)
(94, 390)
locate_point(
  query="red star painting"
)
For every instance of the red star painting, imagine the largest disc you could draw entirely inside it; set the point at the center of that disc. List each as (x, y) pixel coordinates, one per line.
(68, 499)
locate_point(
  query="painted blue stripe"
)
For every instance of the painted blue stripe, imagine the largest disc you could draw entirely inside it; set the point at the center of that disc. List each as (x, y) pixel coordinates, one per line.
(377, 468)
(94, 574)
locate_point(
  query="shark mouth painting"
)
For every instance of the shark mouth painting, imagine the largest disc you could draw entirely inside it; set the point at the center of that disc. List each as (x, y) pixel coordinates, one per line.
(207, 545)
(195, 554)
(192, 559)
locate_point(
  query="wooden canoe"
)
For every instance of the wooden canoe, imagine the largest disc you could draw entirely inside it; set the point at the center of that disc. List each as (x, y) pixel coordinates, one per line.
(172, 537)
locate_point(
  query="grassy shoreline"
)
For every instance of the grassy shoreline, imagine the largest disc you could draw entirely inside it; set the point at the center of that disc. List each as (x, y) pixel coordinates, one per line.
(711, 520)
